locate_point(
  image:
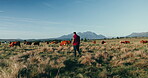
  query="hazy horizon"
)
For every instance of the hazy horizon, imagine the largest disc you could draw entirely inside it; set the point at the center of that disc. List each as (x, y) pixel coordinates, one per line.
(38, 19)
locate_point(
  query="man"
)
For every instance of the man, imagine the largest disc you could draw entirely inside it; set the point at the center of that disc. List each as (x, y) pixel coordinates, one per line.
(76, 43)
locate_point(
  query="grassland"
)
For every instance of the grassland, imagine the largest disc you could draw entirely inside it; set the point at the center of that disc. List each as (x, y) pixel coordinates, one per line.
(110, 60)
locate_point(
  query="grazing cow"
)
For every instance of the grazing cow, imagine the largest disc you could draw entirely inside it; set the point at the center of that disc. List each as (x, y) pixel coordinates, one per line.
(17, 43)
(142, 41)
(125, 42)
(47, 42)
(28, 43)
(54, 42)
(65, 43)
(36, 43)
(103, 42)
(94, 42)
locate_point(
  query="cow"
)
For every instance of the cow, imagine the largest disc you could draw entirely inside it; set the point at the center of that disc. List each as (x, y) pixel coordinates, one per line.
(54, 42)
(17, 43)
(47, 42)
(142, 41)
(36, 43)
(94, 42)
(28, 43)
(125, 42)
(65, 43)
(103, 42)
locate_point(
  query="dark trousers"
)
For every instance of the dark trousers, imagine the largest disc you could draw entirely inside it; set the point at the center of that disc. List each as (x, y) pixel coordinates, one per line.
(76, 48)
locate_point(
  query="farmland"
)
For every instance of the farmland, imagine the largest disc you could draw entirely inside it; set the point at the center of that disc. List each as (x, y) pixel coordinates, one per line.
(109, 60)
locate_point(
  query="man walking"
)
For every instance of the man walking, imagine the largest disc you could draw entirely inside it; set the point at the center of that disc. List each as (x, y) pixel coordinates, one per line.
(76, 43)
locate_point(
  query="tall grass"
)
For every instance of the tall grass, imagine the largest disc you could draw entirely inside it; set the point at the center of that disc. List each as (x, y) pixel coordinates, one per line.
(110, 60)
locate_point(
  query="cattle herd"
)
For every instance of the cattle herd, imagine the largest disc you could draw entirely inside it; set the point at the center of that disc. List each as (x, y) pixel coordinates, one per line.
(65, 42)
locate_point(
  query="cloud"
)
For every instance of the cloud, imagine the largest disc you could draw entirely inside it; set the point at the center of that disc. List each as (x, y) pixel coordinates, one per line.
(82, 1)
(28, 20)
(2, 11)
(48, 5)
(13, 34)
(13, 27)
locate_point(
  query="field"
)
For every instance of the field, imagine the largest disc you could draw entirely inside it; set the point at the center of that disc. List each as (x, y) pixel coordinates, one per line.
(110, 60)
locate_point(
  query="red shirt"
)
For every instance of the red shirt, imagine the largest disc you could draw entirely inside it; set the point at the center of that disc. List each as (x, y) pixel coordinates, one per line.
(76, 40)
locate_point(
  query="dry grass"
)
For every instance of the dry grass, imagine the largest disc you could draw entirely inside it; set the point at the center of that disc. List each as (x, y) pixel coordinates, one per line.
(108, 60)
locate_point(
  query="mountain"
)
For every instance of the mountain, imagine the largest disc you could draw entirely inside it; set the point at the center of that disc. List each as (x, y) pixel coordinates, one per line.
(87, 35)
(142, 34)
(3, 40)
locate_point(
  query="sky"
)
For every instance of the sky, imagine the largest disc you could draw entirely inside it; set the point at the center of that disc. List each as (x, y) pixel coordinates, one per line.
(27, 19)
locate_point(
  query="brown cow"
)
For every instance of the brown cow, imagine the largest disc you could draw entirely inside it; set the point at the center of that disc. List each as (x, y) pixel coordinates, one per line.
(65, 43)
(125, 42)
(103, 42)
(47, 42)
(54, 42)
(28, 43)
(94, 42)
(36, 43)
(17, 43)
(142, 41)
